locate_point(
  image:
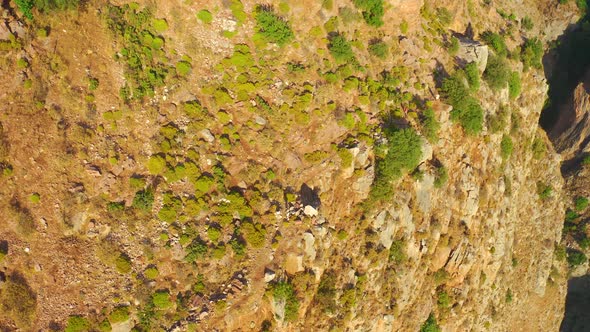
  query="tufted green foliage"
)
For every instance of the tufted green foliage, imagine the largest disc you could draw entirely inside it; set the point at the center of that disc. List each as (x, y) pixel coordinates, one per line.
(372, 11)
(272, 27)
(340, 49)
(284, 291)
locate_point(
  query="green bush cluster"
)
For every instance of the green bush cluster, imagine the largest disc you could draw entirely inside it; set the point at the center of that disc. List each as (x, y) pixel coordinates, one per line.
(205, 16)
(272, 27)
(123, 263)
(575, 257)
(372, 11)
(325, 296)
(430, 325)
(532, 53)
(44, 6)
(466, 109)
(141, 51)
(379, 49)
(254, 233)
(397, 251)
(404, 149)
(496, 42)
(430, 125)
(119, 314)
(144, 199)
(77, 324)
(472, 75)
(196, 249)
(506, 147)
(544, 190)
(284, 291)
(497, 73)
(341, 49)
(18, 300)
(514, 85)
(441, 176)
(580, 203)
(161, 299)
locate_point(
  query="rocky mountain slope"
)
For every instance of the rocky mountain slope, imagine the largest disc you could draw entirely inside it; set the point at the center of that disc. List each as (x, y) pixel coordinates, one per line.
(295, 166)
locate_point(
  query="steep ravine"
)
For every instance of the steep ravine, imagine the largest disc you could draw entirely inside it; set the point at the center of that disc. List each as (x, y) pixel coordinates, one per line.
(566, 117)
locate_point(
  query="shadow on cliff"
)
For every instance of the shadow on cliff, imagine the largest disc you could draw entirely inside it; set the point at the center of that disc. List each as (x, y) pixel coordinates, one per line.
(566, 64)
(577, 302)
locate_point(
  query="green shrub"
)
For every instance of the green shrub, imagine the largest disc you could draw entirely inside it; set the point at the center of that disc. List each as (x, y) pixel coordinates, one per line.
(379, 49)
(35, 198)
(469, 114)
(119, 314)
(441, 176)
(272, 27)
(404, 151)
(205, 16)
(151, 273)
(526, 23)
(430, 325)
(340, 49)
(472, 75)
(580, 203)
(213, 233)
(46, 6)
(255, 234)
(444, 300)
(403, 154)
(25, 6)
(497, 73)
(156, 164)
(506, 146)
(325, 296)
(284, 291)
(159, 25)
(123, 264)
(397, 252)
(197, 249)
(18, 300)
(404, 27)
(514, 85)
(144, 199)
(453, 46)
(183, 68)
(430, 125)
(444, 16)
(316, 156)
(440, 276)
(372, 11)
(167, 214)
(539, 148)
(161, 299)
(544, 190)
(77, 324)
(531, 53)
(508, 298)
(105, 326)
(575, 257)
(496, 42)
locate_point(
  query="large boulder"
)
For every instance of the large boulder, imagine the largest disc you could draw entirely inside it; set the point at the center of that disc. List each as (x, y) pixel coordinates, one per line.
(473, 51)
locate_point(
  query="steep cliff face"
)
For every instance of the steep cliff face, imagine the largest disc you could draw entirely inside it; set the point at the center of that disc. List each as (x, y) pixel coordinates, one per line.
(570, 134)
(237, 191)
